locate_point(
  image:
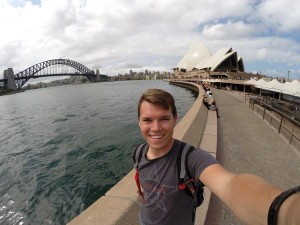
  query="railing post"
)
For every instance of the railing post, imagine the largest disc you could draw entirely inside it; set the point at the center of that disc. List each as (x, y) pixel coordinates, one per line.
(292, 134)
(280, 125)
(264, 113)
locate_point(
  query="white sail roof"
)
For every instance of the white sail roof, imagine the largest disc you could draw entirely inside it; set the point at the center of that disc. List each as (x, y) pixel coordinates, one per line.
(196, 53)
(289, 88)
(252, 81)
(273, 85)
(292, 88)
(198, 56)
(260, 83)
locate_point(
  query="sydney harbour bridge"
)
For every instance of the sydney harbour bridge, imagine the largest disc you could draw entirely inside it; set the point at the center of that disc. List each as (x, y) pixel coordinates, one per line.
(49, 68)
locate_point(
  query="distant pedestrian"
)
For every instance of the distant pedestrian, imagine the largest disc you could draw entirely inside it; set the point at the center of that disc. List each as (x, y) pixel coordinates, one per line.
(210, 103)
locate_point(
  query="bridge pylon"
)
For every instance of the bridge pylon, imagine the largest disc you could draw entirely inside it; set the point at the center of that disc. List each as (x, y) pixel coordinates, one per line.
(10, 76)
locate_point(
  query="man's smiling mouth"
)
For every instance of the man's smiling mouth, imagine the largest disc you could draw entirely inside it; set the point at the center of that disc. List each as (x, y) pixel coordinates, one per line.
(156, 136)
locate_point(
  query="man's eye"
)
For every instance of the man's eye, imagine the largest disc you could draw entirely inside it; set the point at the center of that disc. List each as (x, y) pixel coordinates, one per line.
(146, 120)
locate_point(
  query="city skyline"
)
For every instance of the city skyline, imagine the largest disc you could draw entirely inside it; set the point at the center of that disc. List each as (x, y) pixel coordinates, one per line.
(116, 37)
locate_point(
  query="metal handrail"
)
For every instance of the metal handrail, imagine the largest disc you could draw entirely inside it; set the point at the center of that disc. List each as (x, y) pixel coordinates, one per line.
(281, 114)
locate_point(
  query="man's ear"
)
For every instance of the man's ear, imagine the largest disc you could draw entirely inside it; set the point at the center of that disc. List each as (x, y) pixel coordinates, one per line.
(139, 123)
(175, 117)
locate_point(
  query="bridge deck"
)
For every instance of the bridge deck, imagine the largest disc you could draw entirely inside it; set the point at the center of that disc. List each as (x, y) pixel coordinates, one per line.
(247, 144)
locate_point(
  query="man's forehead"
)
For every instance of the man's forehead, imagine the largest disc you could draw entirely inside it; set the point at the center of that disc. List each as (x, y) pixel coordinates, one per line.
(150, 104)
(146, 106)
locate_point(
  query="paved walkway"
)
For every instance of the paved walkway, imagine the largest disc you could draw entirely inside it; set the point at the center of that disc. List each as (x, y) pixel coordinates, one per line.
(247, 144)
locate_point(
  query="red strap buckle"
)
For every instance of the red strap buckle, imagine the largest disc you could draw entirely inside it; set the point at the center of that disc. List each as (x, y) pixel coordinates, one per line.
(182, 186)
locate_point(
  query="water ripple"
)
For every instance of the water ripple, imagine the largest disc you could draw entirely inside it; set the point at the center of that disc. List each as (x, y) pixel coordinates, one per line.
(62, 148)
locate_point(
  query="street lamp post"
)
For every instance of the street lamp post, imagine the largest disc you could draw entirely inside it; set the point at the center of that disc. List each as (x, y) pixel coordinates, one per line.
(288, 75)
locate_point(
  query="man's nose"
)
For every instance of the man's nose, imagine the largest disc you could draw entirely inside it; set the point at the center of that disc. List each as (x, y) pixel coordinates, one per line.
(156, 125)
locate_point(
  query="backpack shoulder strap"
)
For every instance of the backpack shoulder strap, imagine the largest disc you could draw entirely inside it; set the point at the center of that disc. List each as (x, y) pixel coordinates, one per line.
(183, 172)
(186, 181)
(137, 154)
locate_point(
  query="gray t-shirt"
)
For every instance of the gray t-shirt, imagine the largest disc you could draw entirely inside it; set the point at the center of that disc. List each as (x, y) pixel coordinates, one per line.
(164, 203)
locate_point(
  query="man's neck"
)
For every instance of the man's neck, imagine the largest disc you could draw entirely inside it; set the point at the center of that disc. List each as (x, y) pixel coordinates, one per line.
(156, 153)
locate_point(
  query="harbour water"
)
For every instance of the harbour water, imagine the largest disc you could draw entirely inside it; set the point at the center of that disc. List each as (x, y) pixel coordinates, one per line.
(62, 148)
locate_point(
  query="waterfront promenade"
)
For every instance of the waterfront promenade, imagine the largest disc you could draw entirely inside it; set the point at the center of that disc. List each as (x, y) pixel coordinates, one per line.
(247, 144)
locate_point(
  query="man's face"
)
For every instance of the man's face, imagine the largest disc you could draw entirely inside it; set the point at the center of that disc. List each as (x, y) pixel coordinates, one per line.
(157, 125)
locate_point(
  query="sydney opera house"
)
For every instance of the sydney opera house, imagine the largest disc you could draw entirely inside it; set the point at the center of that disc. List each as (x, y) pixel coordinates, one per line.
(198, 62)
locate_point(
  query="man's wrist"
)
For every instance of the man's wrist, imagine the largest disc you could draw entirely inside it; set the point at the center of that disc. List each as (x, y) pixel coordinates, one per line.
(277, 202)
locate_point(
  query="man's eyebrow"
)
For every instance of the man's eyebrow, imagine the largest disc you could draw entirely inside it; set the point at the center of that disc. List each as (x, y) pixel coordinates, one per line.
(145, 117)
(165, 116)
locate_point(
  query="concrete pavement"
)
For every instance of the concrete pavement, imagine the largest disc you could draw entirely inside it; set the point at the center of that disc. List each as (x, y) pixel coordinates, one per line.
(247, 144)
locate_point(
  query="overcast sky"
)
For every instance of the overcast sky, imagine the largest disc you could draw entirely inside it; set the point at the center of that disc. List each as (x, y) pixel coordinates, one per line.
(118, 35)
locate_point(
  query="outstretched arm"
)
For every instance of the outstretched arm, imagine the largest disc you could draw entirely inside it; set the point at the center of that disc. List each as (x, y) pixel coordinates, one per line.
(249, 196)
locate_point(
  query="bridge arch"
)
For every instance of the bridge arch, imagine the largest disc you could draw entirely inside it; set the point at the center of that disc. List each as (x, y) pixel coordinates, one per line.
(32, 72)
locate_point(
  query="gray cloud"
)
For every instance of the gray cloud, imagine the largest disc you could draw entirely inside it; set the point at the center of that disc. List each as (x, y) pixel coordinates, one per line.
(116, 36)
